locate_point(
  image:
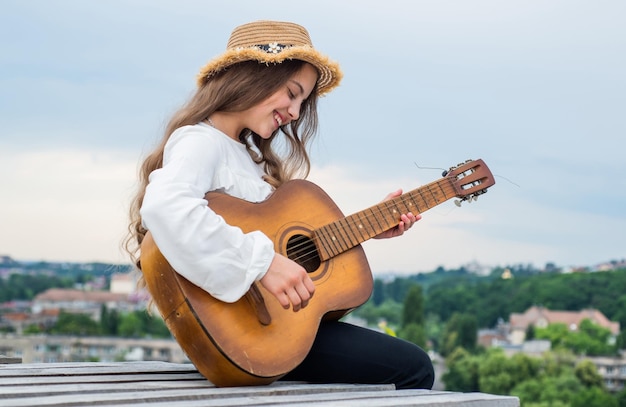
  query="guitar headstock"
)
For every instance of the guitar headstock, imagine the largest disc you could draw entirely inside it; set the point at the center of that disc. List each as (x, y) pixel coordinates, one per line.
(470, 179)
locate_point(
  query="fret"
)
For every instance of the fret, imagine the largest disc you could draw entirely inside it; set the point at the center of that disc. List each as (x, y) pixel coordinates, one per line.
(424, 200)
(443, 192)
(393, 212)
(377, 228)
(360, 227)
(369, 227)
(326, 243)
(341, 234)
(408, 206)
(337, 237)
(348, 228)
(429, 189)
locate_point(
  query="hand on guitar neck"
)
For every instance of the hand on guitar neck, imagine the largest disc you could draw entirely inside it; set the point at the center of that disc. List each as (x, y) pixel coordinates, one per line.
(406, 220)
(290, 283)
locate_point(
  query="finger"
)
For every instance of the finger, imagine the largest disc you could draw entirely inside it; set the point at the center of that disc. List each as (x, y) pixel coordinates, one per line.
(304, 294)
(294, 298)
(393, 194)
(310, 286)
(400, 229)
(283, 300)
(409, 220)
(406, 221)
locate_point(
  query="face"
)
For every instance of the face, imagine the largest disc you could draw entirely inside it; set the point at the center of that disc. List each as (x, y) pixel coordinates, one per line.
(283, 106)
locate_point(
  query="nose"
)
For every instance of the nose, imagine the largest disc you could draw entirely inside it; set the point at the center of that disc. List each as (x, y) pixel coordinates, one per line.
(294, 110)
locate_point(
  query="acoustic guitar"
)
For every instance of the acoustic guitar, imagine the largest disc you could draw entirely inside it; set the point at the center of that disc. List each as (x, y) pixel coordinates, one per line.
(255, 340)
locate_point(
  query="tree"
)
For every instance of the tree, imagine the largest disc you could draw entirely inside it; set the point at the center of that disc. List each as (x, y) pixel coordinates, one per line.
(555, 333)
(398, 288)
(433, 327)
(389, 311)
(75, 324)
(621, 398)
(462, 373)
(27, 286)
(378, 294)
(109, 321)
(530, 332)
(620, 342)
(153, 326)
(550, 382)
(588, 374)
(138, 324)
(620, 313)
(414, 333)
(529, 390)
(593, 397)
(32, 329)
(495, 372)
(413, 311)
(130, 326)
(460, 331)
(499, 374)
(559, 389)
(590, 339)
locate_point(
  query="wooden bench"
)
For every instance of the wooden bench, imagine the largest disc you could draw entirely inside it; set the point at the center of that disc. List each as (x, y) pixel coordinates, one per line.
(180, 385)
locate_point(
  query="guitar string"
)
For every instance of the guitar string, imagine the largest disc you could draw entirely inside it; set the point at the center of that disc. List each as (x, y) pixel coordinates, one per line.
(376, 212)
(310, 243)
(307, 249)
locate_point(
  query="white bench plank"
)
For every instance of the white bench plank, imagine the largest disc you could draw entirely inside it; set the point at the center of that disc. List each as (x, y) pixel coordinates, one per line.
(164, 384)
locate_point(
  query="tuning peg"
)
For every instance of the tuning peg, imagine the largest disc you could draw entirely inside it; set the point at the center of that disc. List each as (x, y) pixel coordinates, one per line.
(457, 202)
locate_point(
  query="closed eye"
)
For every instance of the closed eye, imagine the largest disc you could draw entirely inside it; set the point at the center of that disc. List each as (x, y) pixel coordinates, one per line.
(300, 88)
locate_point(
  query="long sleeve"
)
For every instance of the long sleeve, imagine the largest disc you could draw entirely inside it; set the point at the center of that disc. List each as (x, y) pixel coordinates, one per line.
(196, 241)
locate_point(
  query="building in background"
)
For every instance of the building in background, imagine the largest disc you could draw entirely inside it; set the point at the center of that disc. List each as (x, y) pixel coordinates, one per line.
(540, 317)
(53, 348)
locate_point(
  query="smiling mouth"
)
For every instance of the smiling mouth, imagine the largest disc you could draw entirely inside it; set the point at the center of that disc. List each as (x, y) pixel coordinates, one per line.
(278, 119)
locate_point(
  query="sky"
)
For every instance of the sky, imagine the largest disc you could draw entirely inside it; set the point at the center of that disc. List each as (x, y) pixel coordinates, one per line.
(535, 88)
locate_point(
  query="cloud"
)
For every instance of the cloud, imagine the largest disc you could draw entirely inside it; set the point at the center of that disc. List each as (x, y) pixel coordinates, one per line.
(536, 89)
(65, 205)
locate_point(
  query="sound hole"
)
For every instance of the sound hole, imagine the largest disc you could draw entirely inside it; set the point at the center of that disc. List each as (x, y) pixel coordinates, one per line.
(302, 250)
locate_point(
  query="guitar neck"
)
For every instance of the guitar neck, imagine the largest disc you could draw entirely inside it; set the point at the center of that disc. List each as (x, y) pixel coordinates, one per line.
(344, 234)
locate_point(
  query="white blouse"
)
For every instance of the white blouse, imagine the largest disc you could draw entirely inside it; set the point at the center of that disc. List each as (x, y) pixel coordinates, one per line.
(196, 241)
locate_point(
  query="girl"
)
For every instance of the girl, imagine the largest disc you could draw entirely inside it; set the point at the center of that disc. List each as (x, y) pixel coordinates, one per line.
(262, 91)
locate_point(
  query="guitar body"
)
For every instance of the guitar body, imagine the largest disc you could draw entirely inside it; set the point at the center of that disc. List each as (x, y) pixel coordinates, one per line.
(254, 340)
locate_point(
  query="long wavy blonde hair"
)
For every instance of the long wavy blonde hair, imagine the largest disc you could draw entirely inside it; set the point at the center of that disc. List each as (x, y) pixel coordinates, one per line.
(237, 88)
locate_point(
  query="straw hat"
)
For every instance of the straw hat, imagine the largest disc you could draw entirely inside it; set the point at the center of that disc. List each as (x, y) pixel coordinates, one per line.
(272, 42)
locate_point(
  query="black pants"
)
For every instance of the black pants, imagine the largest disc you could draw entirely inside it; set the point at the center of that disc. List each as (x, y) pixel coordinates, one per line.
(345, 353)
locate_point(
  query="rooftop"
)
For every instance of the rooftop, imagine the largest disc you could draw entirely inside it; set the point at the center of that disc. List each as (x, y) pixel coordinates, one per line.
(180, 385)
(570, 318)
(70, 295)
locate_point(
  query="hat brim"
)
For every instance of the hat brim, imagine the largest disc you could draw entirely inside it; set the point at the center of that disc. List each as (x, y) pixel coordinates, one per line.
(329, 72)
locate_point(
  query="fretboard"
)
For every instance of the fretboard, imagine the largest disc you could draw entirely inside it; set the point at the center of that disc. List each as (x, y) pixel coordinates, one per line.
(344, 234)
